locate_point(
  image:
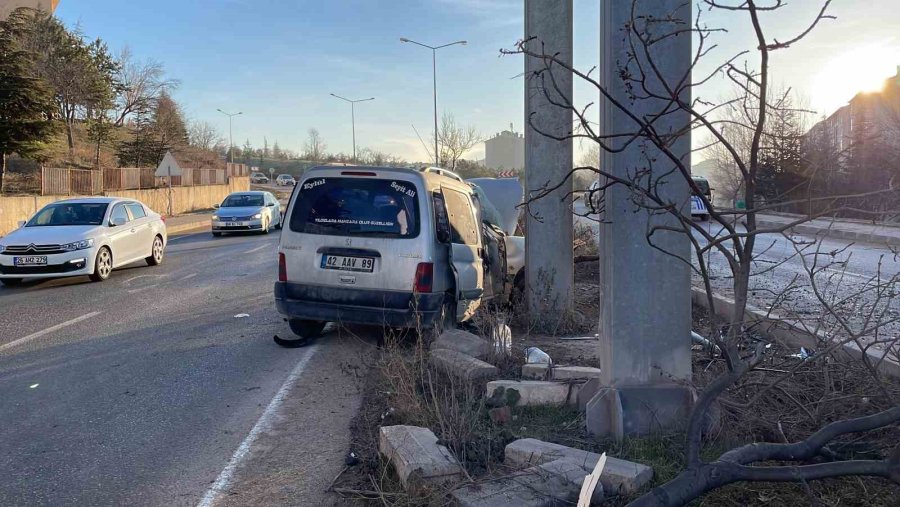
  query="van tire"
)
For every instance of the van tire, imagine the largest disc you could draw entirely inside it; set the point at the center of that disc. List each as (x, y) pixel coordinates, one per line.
(306, 329)
(447, 320)
(11, 282)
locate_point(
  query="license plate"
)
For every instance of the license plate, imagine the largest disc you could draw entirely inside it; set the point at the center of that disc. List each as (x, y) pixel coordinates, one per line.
(235, 224)
(33, 260)
(363, 264)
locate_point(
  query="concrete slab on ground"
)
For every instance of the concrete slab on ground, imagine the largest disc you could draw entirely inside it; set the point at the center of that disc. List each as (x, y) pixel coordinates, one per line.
(619, 476)
(536, 392)
(418, 459)
(463, 341)
(462, 365)
(550, 484)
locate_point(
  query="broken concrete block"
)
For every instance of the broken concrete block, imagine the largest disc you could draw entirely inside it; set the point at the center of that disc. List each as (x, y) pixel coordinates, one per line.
(535, 371)
(639, 410)
(619, 476)
(574, 473)
(536, 392)
(575, 373)
(461, 365)
(418, 459)
(587, 391)
(463, 341)
(546, 485)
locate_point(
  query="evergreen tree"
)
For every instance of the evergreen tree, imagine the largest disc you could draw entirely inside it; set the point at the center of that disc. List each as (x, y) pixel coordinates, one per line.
(25, 103)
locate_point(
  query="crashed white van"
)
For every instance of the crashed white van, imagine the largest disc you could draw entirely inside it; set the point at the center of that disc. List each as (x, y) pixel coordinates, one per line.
(393, 247)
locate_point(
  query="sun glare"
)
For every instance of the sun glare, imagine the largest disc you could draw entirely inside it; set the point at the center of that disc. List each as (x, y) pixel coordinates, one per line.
(864, 69)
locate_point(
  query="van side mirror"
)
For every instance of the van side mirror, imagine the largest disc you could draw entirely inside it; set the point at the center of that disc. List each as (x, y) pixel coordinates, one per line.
(117, 222)
(22, 223)
(271, 204)
(215, 206)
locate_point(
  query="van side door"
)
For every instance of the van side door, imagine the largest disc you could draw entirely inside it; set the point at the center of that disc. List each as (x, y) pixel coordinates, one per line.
(465, 252)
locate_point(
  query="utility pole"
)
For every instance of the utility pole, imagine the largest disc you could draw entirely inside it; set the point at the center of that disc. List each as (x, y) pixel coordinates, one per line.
(230, 137)
(353, 117)
(434, 74)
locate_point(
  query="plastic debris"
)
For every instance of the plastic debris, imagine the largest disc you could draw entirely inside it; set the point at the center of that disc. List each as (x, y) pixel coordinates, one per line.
(534, 355)
(352, 459)
(803, 355)
(501, 336)
(700, 340)
(242, 315)
(32, 386)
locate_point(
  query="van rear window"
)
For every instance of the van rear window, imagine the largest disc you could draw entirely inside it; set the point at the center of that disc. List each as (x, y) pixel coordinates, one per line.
(356, 207)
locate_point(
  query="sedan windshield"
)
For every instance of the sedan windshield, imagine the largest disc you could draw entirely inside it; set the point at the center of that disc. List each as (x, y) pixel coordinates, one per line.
(69, 214)
(243, 200)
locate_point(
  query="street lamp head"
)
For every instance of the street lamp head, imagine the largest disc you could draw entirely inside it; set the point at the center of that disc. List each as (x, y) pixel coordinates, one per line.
(404, 39)
(462, 42)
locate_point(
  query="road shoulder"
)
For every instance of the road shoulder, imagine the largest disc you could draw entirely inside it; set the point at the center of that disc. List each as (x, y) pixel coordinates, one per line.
(296, 460)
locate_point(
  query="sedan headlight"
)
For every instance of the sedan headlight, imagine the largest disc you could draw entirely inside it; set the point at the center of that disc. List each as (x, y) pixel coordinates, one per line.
(257, 216)
(215, 217)
(78, 245)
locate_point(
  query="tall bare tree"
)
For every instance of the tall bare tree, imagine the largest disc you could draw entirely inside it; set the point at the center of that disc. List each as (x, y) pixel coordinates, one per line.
(204, 135)
(454, 141)
(314, 149)
(142, 82)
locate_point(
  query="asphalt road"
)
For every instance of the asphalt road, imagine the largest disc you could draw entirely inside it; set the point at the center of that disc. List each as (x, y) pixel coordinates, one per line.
(143, 390)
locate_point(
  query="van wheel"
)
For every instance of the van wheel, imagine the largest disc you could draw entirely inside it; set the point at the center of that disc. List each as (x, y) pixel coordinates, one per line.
(306, 329)
(216, 234)
(447, 319)
(11, 282)
(517, 294)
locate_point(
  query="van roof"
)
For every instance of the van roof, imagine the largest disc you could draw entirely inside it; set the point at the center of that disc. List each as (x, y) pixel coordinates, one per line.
(430, 179)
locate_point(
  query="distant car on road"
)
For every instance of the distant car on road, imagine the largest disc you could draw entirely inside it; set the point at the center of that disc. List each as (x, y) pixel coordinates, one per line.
(82, 237)
(285, 180)
(247, 211)
(698, 208)
(259, 178)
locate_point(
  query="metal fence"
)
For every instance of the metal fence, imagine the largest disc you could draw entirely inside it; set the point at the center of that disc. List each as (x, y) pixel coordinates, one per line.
(129, 178)
(62, 181)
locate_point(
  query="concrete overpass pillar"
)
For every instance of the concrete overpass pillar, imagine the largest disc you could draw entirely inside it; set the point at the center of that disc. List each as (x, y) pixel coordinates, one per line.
(645, 321)
(549, 267)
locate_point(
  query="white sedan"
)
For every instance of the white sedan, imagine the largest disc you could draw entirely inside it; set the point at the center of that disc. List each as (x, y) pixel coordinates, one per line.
(253, 211)
(79, 237)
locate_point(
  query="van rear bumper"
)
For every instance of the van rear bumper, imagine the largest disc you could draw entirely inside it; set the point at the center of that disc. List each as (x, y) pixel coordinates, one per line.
(357, 306)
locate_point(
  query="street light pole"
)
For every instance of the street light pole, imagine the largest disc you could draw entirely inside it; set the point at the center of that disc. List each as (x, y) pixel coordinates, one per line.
(230, 137)
(434, 74)
(353, 116)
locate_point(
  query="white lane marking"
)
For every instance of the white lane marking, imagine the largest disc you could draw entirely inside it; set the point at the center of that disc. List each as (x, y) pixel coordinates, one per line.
(184, 236)
(49, 330)
(223, 481)
(188, 277)
(257, 249)
(133, 291)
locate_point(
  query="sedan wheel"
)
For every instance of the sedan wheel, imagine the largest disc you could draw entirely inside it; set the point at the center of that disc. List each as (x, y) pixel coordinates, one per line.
(156, 256)
(102, 265)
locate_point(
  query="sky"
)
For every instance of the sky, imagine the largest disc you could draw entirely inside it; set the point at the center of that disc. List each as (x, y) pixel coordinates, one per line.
(277, 61)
